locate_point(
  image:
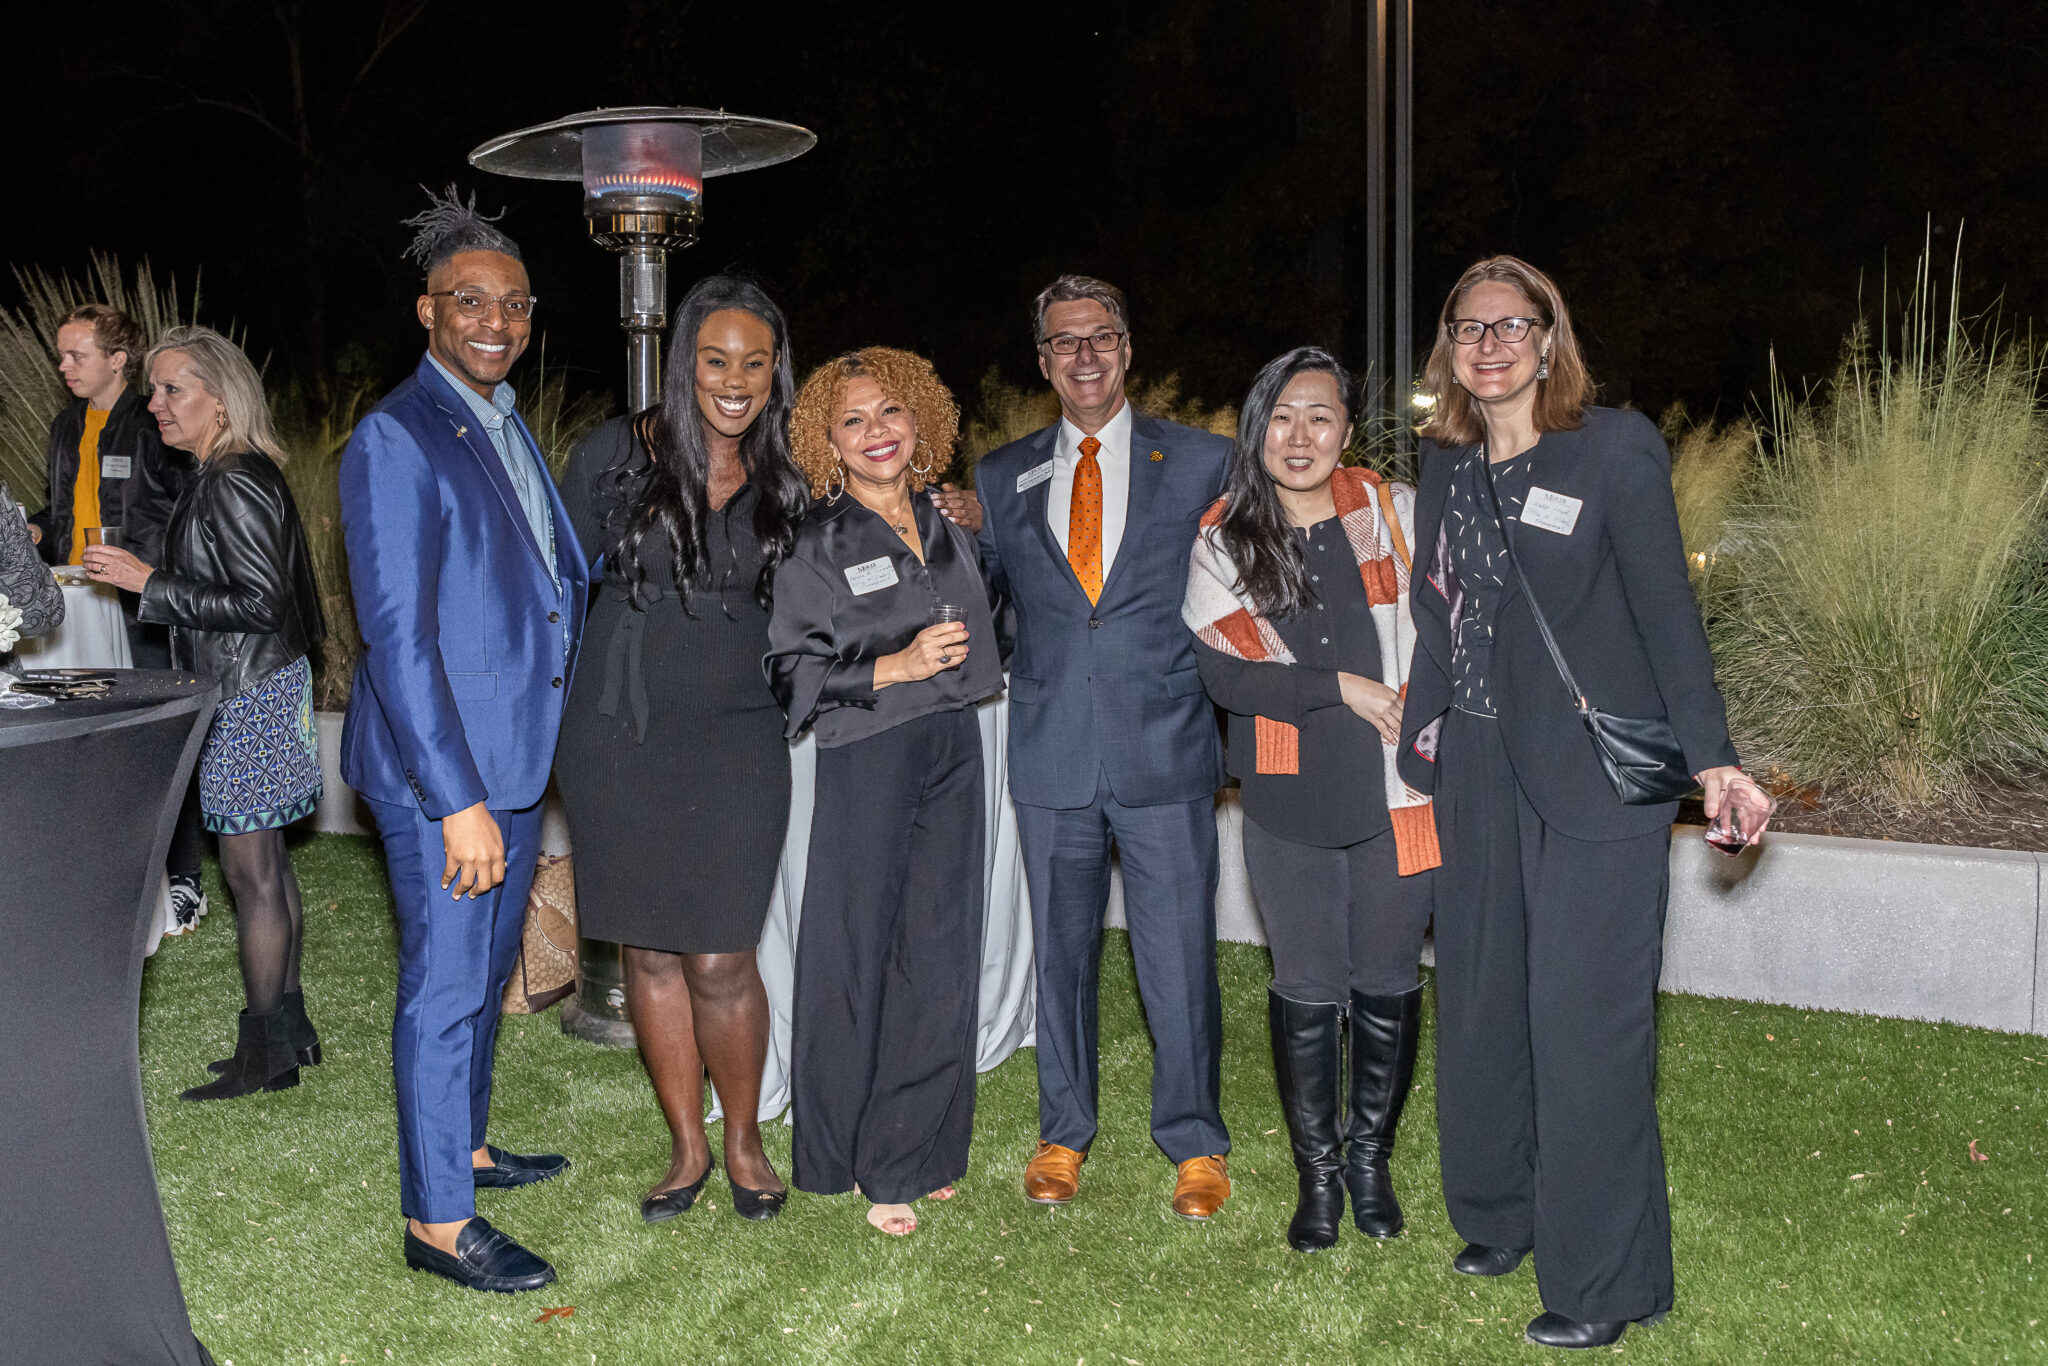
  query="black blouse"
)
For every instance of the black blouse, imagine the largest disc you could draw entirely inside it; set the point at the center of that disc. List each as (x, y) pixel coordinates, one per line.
(850, 593)
(1340, 795)
(1480, 556)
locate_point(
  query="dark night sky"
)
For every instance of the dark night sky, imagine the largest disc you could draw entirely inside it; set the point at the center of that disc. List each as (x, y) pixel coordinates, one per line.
(1706, 180)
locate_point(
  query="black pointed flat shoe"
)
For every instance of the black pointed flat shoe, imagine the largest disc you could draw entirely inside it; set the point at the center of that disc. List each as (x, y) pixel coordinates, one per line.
(510, 1170)
(753, 1204)
(1555, 1330)
(484, 1259)
(1480, 1260)
(663, 1206)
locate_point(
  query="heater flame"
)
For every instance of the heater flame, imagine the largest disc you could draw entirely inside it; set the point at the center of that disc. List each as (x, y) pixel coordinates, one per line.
(646, 182)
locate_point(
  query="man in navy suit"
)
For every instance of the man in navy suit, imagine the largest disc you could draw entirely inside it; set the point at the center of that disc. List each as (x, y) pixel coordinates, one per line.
(1088, 526)
(469, 589)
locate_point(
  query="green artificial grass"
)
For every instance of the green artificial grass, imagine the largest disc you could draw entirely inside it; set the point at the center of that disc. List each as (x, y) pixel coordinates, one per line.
(1826, 1203)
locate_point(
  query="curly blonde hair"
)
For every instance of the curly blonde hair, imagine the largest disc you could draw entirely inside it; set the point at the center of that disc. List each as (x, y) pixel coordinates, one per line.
(903, 375)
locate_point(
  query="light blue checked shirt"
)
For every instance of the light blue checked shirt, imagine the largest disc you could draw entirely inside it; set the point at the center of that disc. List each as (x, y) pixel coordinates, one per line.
(523, 468)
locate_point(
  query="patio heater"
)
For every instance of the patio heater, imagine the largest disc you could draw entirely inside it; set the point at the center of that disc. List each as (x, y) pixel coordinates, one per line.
(643, 169)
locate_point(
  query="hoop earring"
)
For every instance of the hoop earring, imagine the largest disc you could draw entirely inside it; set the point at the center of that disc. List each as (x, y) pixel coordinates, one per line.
(923, 471)
(835, 485)
(220, 419)
(1543, 366)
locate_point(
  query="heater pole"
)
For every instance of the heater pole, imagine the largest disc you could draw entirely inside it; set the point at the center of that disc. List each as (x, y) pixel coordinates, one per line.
(643, 312)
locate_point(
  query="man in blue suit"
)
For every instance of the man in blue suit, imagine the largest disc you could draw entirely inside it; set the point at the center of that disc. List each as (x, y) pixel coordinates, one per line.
(1087, 527)
(470, 590)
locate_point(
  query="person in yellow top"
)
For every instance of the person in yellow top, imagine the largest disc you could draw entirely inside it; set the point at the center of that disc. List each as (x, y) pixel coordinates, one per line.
(109, 468)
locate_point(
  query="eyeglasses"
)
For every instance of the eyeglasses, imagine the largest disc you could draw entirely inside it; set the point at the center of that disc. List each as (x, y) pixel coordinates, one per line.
(470, 304)
(1066, 343)
(1468, 331)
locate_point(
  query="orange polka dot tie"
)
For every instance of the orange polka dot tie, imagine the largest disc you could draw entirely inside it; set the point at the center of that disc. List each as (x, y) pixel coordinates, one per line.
(1084, 521)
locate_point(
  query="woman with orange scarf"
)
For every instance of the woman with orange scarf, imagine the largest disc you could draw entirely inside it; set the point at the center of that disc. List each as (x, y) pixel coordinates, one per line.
(1298, 597)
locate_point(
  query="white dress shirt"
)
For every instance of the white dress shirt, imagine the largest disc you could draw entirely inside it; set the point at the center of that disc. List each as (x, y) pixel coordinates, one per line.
(1115, 461)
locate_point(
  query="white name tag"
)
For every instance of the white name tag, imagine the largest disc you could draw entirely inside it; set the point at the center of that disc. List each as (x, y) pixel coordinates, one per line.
(871, 576)
(1551, 511)
(1031, 478)
(115, 466)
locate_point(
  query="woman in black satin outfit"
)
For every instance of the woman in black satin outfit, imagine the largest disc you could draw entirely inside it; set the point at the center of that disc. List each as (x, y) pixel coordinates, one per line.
(889, 950)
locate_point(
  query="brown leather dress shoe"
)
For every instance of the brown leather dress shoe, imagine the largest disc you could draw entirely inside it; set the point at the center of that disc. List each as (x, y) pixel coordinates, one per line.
(1201, 1189)
(1053, 1175)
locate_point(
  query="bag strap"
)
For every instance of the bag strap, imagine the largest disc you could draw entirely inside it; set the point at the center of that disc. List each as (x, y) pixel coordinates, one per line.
(1508, 547)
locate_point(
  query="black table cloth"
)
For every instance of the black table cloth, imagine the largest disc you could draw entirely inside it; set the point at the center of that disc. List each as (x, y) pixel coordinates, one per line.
(89, 792)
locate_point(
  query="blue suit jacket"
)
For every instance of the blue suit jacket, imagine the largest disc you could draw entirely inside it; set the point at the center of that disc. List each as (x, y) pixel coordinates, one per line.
(458, 698)
(1110, 689)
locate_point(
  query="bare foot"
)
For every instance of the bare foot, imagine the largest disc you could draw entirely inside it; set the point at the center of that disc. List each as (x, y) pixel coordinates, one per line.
(698, 1165)
(894, 1220)
(942, 1193)
(750, 1168)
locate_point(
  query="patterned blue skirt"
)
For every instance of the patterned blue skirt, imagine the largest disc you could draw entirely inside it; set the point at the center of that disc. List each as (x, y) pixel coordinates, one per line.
(260, 768)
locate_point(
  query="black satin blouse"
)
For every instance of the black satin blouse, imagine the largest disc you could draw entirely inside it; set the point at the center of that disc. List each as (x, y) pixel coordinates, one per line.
(826, 635)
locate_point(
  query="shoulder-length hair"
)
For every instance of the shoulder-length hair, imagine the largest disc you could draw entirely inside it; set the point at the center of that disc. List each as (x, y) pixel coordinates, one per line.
(666, 494)
(1254, 529)
(1560, 400)
(902, 375)
(226, 374)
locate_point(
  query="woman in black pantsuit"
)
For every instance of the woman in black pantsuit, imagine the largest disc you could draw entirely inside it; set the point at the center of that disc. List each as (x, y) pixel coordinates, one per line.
(888, 953)
(1550, 901)
(672, 765)
(1298, 597)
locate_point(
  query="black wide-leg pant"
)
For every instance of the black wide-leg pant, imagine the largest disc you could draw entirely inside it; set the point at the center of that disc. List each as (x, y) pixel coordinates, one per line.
(888, 963)
(1548, 950)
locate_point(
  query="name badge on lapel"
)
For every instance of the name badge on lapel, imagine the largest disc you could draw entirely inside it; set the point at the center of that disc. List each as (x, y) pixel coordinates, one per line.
(115, 466)
(871, 576)
(1551, 511)
(1035, 476)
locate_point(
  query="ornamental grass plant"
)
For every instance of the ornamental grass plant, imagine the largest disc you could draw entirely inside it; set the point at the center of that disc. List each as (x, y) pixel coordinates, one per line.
(1003, 412)
(1877, 594)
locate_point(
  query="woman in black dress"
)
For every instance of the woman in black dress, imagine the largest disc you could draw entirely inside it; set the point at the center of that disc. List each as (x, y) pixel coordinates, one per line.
(672, 764)
(883, 641)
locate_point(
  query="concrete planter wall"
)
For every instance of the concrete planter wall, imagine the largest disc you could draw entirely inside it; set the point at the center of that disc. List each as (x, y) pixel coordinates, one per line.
(1920, 931)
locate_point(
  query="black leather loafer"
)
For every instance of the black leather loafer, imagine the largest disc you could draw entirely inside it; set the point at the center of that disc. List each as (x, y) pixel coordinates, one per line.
(1480, 1260)
(752, 1204)
(508, 1170)
(484, 1259)
(1555, 1330)
(663, 1206)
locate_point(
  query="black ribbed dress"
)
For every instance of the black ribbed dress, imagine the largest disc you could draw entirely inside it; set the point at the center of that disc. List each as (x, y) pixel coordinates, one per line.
(672, 765)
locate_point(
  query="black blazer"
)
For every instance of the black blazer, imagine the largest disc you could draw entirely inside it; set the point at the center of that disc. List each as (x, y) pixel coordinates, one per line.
(236, 583)
(1617, 598)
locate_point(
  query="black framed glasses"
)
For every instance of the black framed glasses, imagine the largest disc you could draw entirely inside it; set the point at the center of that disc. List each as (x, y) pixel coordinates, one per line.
(1468, 331)
(1066, 343)
(472, 303)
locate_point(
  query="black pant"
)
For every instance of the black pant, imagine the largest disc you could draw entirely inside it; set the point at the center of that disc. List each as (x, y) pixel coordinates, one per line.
(888, 963)
(1338, 920)
(1548, 950)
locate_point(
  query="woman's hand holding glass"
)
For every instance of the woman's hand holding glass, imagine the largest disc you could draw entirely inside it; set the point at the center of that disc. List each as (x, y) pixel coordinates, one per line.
(934, 648)
(1737, 809)
(1374, 703)
(111, 564)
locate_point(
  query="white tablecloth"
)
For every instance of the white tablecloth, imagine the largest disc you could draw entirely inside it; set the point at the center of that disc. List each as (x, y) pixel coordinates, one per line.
(93, 635)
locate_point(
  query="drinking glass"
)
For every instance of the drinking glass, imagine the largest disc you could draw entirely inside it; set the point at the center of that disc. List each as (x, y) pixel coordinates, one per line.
(944, 612)
(1736, 828)
(103, 535)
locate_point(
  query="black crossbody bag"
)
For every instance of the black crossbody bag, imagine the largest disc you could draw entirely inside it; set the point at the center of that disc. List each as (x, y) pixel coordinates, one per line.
(1640, 754)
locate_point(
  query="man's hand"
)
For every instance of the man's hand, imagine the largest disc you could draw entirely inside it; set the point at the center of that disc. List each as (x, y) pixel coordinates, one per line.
(476, 852)
(957, 506)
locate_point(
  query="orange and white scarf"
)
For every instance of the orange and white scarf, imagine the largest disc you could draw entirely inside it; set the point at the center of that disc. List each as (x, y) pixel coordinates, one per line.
(1379, 524)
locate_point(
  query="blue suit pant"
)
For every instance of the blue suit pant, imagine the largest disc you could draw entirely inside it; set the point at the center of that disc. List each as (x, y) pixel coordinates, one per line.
(1169, 862)
(454, 956)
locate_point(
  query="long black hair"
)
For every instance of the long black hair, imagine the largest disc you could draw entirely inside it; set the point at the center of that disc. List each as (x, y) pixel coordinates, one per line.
(1254, 530)
(665, 495)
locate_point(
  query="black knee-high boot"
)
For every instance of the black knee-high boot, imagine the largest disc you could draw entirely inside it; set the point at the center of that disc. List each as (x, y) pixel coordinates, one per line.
(1384, 1031)
(1308, 1052)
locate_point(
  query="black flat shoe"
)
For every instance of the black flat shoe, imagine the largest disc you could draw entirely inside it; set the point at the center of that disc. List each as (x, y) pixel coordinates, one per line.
(753, 1204)
(484, 1259)
(510, 1170)
(1480, 1260)
(665, 1205)
(1555, 1330)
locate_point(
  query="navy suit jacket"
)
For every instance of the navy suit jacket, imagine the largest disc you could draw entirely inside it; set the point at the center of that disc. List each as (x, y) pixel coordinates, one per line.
(458, 698)
(1110, 689)
(1615, 592)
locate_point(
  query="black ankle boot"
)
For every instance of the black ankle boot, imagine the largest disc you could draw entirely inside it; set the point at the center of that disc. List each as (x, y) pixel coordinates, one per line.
(1384, 1032)
(305, 1038)
(1308, 1044)
(265, 1060)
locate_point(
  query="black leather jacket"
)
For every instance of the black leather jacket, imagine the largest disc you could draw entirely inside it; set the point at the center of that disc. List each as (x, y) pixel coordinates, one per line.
(236, 583)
